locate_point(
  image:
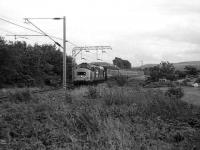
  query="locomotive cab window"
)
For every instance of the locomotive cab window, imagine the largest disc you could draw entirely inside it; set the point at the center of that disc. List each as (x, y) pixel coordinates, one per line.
(81, 73)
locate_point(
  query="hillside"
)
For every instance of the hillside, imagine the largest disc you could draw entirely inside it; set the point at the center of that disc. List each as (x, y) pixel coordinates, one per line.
(180, 65)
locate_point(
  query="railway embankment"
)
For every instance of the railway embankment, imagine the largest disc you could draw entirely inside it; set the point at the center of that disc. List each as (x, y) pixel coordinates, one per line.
(105, 116)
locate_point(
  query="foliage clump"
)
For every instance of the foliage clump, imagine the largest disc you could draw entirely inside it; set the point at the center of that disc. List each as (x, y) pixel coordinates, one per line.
(92, 92)
(164, 70)
(21, 96)
(197, 80)
(25, 65)
(121, 80)
(175, 92)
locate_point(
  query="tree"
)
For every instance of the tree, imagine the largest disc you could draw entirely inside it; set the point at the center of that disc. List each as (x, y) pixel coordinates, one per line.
(22, 63)
(180, 74)
(123, 64)
(167, 70)
(164, 70)
(8, 63)
(191, 70)
(154, 73)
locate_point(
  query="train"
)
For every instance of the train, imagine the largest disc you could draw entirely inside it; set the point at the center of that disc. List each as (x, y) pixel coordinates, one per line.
(90, 73)
(96, 72)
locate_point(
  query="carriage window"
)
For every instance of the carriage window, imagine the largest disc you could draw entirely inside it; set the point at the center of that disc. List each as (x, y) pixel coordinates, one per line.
(81, 73)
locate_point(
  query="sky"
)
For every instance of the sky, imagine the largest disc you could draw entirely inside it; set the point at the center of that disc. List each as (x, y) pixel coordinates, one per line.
(137, 30)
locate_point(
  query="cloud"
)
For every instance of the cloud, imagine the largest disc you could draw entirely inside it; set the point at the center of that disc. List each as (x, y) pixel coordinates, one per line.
(178, 34)
(180, 7)
(149, 30)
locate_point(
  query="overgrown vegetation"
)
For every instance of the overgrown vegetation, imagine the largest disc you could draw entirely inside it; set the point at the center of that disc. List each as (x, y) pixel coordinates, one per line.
(26, 65)
(92, 92)
(121, 80)
(166, 70)
(197, 80)
(175, 92)
(115, 118)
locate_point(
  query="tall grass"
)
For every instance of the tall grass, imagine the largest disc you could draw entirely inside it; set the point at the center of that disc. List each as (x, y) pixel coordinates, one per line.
(19, 96)
(120, 118)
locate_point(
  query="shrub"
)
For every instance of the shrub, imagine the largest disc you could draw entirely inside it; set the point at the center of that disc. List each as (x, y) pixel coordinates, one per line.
(197, 80)
(92, 92)
(110, 84)
(68, 98)
(176, 92)
(85, 123)
(121, 80)
(122, 96)
(21, 96)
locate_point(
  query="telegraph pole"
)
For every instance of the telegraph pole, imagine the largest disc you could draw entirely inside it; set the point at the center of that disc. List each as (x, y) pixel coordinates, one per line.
(64, 53)
(64, 43)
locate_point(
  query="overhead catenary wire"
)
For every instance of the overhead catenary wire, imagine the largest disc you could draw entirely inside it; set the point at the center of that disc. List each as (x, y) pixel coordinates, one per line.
(5, 20)
(13, 34)
(44, 33)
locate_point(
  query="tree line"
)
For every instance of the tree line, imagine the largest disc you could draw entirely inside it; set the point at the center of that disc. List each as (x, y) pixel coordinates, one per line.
(31, 65)
(167, 70)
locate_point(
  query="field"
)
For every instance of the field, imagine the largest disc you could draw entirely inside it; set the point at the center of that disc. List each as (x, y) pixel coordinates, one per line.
(108, 116)
(192, 95)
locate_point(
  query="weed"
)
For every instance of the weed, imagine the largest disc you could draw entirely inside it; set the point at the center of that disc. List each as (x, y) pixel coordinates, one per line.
(176, 92)
(68, 98)
(122, 118)
(198, 80)
(121, 80)
(21, 96)
(92, 92)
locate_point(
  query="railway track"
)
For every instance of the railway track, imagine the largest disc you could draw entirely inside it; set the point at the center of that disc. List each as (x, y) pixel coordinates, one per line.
(70, 86)
(2, 98)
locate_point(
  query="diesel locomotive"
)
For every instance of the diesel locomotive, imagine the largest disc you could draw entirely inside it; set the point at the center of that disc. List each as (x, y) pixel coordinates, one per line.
(89, 73)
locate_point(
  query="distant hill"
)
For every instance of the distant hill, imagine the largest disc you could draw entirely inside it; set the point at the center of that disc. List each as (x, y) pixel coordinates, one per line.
(179, 66)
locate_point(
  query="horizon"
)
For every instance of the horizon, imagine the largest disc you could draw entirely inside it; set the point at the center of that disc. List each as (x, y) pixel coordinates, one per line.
(137, 30)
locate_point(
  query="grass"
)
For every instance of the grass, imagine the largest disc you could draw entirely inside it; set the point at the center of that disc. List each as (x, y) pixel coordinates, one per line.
(118, 117)
(192, 95)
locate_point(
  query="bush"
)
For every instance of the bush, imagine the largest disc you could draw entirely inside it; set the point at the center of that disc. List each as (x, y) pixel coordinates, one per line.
(109, 84)
(21, 96)
(175, 92)
(68, 98)
(122, 96)
(121, 80)
(197, 80)
(92, 92)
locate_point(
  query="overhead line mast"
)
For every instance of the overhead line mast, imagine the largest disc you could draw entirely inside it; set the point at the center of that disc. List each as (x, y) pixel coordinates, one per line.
(64, 42)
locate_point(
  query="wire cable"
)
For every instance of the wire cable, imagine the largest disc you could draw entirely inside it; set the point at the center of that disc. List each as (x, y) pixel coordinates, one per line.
(44, 33)
(21, 36)
(34, 30)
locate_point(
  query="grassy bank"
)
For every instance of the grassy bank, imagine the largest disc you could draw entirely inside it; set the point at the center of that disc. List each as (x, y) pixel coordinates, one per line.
(101, 117)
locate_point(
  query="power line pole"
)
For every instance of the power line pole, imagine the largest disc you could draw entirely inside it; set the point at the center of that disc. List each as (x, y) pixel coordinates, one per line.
(64, 43)
(64, 53)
